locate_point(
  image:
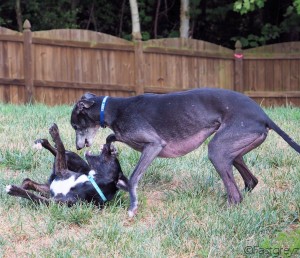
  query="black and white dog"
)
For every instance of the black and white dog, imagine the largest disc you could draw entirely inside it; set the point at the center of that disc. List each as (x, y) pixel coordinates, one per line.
(72, 179)
(174, 124)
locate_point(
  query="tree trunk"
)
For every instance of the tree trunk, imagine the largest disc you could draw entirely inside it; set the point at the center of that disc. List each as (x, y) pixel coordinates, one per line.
(19, 15)
(136, 27)
(121, 19)
(184, 19)
(156, 18)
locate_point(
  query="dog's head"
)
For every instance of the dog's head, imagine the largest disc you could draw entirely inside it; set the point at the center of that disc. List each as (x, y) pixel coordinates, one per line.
(105, 164)
(83, 122)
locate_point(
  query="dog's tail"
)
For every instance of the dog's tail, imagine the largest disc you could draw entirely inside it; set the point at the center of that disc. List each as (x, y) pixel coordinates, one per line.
(284, 135)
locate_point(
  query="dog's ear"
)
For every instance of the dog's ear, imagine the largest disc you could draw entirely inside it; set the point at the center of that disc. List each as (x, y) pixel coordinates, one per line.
(88, 95)
(84, 104)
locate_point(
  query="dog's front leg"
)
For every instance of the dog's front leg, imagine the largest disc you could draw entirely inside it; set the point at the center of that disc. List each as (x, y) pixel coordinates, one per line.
(150, 151)
(60, 161)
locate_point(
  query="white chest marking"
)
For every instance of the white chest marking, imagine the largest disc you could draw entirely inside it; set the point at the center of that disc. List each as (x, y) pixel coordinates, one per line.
(64, 186)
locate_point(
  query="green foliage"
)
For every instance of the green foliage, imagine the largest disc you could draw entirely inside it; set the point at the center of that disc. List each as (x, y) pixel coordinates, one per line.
(245, 6)
(297, 5)
(268, 32)
(255, 22)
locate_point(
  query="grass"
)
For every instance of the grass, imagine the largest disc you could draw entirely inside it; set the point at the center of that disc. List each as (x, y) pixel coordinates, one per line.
(183, 210)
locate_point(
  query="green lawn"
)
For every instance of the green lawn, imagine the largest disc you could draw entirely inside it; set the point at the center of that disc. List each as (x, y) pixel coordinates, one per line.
(183, 210)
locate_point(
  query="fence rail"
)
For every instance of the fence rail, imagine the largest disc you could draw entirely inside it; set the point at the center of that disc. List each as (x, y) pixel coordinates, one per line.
(58, 66)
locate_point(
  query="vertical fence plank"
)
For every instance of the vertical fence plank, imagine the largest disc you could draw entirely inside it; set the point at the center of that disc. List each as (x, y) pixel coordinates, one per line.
(28, 71)
(139, 67)
(238, 67)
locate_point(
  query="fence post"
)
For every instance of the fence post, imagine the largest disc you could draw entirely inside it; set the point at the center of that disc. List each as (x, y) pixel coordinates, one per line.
(28, 71)
(139, 67)
(238, 67)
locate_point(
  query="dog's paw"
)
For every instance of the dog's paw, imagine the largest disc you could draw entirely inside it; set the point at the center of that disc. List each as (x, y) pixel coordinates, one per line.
(39, 143)
(8, 188)
(132, 213)
(42, 142)
(12, 189)
(53, 130)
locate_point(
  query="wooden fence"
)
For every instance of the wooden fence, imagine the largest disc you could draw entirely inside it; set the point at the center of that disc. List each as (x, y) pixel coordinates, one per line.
(58, 66)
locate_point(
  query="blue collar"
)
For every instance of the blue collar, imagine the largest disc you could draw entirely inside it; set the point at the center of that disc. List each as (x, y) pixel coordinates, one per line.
(102, 122)
(97, 188)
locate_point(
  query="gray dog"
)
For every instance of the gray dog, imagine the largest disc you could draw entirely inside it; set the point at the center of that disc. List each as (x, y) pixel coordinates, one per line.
(174, 124)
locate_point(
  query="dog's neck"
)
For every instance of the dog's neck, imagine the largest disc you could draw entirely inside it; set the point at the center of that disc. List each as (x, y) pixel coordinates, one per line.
(110, 111)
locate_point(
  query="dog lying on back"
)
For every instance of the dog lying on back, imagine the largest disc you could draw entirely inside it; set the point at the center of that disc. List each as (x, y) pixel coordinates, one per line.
(73, 179)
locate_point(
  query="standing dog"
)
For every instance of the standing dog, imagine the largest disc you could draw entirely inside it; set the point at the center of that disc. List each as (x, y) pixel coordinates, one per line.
(174, 124)
(72, 179)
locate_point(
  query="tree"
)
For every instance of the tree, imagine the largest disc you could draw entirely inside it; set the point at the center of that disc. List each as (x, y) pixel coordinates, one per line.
(136, 27)
(184, 19)
(19, 15)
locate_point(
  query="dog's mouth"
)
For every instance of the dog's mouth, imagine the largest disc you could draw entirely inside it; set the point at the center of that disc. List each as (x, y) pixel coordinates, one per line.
(86, 143)
(83, 145)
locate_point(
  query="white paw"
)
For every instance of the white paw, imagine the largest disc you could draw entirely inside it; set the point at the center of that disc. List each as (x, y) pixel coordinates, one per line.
(131, 214)
(8, 188)
(38, 146)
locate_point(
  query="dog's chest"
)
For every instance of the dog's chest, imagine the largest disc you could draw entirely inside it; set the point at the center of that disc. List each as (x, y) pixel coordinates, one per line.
(64, 186)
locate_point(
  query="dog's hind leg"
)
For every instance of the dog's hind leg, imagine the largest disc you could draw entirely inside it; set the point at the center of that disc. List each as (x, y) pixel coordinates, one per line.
(60, 161)
(28, 184)
(249, 179)
(20, 192)
(226, 149)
